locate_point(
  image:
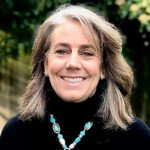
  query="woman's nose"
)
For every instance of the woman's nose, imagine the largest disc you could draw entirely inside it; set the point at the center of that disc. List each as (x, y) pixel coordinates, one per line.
(73, 62)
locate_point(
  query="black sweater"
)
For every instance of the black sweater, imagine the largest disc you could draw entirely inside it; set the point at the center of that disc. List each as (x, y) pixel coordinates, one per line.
(38, 134)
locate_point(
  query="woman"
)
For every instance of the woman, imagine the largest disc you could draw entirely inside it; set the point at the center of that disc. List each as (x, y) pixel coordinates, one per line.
(78, 95)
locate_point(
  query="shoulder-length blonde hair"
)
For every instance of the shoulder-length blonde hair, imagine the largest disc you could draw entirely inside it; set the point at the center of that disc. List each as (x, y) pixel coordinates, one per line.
(115, 109)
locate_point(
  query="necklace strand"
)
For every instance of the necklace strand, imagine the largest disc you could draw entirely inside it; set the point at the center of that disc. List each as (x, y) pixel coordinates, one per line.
(56, 129)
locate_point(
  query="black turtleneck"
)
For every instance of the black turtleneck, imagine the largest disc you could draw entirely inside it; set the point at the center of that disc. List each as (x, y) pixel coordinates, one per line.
(72, 116)
(38, 134)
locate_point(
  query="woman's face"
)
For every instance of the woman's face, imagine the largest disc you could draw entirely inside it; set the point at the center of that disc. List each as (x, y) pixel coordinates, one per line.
(72, 64)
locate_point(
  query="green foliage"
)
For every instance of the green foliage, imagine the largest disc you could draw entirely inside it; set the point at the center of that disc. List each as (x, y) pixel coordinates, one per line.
(19, 21)
(136, 9)
(8, 45)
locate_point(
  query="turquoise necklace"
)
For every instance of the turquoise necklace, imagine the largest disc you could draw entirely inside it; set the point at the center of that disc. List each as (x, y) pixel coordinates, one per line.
(56, 129)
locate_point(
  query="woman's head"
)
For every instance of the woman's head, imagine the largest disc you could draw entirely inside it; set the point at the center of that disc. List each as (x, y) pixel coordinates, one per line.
(93, 25)
(72, 64)
(103, 40)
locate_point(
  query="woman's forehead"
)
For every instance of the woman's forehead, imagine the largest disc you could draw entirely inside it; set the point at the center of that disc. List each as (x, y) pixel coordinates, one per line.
(68, 30)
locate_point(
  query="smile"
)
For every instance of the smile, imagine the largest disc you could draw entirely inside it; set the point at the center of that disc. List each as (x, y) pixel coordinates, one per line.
(73, 79)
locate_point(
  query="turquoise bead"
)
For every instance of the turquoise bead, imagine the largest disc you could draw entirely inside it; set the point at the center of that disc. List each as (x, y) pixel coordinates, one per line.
(52, 120)
(77, 140)
(64, 146)
(56, 128)
(60, 136)
(88, 125)
(82, 133)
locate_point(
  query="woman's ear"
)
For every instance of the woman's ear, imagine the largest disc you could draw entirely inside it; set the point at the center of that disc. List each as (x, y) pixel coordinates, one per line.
(102, 76)
(46, 67)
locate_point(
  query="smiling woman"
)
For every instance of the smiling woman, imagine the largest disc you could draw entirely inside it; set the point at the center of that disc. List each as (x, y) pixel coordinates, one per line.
(72, 64)
(80, 78)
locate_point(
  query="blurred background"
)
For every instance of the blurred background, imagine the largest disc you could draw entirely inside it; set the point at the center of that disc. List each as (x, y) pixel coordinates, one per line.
(19, 20)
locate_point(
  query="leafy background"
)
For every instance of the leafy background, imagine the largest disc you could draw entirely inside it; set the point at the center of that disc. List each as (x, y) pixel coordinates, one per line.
(20, 20)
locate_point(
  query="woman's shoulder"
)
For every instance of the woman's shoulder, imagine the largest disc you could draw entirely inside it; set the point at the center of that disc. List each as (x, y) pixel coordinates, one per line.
(16, 131)
(139, 131)
(12, 124)
(11, 128)
(136, 136)
(16, 124)
(139, 127)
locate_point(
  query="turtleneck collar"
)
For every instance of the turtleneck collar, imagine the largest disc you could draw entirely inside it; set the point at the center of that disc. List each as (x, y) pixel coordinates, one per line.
(81, 111)
(72, 116)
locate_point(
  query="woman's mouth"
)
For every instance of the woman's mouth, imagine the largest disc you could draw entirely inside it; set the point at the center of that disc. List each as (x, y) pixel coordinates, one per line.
(73, 79)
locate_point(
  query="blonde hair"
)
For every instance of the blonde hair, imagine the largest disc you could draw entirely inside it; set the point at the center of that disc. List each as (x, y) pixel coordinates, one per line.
(115, 109)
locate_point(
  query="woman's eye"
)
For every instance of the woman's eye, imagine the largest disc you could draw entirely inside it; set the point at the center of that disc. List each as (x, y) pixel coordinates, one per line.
(86, 53)
(61, 52)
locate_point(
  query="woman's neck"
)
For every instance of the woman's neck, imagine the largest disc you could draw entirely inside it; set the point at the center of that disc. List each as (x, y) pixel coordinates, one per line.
(65, 111)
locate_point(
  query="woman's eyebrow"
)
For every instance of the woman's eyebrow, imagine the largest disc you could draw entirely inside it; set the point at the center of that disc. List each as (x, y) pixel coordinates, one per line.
(69, 45)
(62, 44)
(86, 46)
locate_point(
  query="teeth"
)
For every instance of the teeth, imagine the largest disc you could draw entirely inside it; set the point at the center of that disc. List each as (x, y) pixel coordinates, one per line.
(73, 79)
